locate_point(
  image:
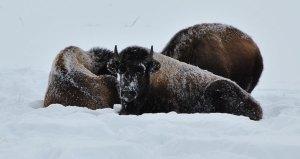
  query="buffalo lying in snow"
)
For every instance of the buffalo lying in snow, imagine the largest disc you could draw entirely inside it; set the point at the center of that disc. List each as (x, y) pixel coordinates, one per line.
(81, 78)
(150, 83)
(220, 49)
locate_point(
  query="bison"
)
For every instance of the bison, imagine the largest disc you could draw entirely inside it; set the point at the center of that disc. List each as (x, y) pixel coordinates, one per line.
(81, 78)
(152, 83)
(220, 49)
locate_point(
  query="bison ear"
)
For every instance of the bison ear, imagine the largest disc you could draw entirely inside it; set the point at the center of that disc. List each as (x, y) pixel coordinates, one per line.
(154, 66)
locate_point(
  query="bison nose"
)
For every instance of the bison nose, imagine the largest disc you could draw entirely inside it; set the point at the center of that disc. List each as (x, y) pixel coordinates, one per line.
(128, 96)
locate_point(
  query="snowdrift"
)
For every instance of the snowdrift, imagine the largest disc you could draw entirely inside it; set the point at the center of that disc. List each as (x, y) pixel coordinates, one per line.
(29, 131)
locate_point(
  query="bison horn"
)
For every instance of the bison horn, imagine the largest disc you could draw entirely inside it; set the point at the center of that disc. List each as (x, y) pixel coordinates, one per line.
(116, 50)
(151, 51)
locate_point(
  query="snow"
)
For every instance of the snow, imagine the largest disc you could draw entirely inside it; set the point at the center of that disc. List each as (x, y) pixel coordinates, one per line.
(33, 32)
(29, 131)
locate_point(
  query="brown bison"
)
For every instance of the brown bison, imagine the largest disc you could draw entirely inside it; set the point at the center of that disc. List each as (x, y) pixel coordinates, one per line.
(220, 49)
(81, 78)
(151, 83)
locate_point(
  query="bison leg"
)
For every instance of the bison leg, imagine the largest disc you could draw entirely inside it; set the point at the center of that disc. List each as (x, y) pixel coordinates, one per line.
(227, 97)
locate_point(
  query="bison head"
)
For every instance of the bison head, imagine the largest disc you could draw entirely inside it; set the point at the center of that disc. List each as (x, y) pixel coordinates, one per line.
(133, 67)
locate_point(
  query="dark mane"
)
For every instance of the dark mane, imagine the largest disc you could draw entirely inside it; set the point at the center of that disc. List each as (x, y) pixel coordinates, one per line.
(134, 53)
(101, 58)
(101, 53)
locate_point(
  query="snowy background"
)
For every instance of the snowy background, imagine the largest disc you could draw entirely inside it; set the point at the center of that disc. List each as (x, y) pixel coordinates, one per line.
(32, 32)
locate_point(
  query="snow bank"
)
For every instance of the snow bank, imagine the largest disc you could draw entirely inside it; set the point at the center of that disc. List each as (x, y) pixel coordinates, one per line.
(29, 131)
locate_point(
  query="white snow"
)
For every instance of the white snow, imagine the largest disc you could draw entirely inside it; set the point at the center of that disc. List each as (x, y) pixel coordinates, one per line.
(33, 32)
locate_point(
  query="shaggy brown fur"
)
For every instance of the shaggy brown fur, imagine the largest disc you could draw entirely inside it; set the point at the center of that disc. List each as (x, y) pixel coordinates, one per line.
(177, 86)
(80, 78)
(220, 49)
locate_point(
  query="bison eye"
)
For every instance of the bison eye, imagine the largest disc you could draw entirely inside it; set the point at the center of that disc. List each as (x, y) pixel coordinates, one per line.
(139, 69)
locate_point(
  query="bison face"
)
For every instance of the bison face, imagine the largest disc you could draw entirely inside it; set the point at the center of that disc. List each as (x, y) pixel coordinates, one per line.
(132, 79)
(133, 67)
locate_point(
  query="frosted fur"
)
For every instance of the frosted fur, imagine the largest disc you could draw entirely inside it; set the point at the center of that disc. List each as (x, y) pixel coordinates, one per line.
(183, 88)
(75, 62)
(73, 81)
(172, 68)
(184, 79)
(206, 29)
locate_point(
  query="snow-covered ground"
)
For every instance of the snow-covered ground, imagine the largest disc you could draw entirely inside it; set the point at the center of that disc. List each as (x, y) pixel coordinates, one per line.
(32, 32)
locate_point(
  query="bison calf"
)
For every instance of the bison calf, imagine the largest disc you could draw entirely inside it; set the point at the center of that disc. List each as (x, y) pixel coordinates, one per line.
(151, 83)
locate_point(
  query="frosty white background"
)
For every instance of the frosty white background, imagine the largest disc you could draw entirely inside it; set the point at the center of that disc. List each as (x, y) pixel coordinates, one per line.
(32, 32)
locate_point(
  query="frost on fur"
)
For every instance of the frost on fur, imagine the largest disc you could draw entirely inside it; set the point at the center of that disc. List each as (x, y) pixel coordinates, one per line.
(77, 78)
(177, 86)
